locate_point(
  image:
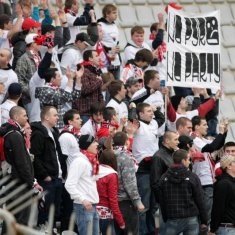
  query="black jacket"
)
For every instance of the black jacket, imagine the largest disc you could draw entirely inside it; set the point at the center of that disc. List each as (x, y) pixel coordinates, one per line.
(19, 46)
(180, 195)
(45, 152)
(16, 154)
(162, 160)
(223, 210)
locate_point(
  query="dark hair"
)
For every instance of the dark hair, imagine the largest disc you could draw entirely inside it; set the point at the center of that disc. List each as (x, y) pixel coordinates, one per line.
(179, 155)
(49, 74)
(69, 116)
(120, 138)
(182, 121)
(149, 75)
(108, 9)
(108, 113)
(229, 144)
(114, 87)
(4, 19)
(45, 110)
(97, 108)
(87, 54)
(154, 27)
(137, 29)
(68, 3)
(196, 121)
(144, 55)
(140, 108)
(108, 157)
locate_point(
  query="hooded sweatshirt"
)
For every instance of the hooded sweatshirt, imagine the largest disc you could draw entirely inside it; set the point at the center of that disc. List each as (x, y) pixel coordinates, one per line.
(181, 195)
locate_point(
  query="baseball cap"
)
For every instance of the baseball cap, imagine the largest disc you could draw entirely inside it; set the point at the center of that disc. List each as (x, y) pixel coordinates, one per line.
(15, 89)
(30, 23)
(30, 38)
(84, 37)
(226, 160)
(85, 141)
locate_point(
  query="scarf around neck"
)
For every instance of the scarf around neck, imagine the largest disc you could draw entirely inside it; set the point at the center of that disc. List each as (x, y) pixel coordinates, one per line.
(93, 160)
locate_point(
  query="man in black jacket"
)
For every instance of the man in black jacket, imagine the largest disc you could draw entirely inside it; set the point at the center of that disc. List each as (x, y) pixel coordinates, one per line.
(17, 156)
(180, 196)
(48, 160)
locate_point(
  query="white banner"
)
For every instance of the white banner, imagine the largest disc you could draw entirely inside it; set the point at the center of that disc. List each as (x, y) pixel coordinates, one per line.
(193, 49)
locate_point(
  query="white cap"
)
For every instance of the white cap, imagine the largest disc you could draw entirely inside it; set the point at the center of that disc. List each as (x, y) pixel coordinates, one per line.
(30, 38)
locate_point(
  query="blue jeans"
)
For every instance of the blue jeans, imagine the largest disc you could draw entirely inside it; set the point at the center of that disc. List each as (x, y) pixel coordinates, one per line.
(225, 231)
(87, 221)
(146, 219)
(187, 226)
(208, 199)
(107, 225)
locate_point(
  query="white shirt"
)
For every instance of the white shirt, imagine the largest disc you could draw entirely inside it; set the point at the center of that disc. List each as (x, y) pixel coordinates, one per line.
(88, 129)
(71, 57)
(4, 41)
(80, 183)
(145, 141)
(74, 30)
(11, 78)
(69, 146)
(5, 109)
(120, 108)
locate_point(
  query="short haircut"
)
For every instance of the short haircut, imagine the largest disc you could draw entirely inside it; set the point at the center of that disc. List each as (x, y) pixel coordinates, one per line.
(137, 29)
(140, 108)
(144, 55)
(45, 110)
(154, 27)
(179, 155)
(120, 138)
(114, 87)
(108, 113)
(87, 54)
(97, 108)
(69, 116)
(168, 135)
(108, 157)
(15, 111)
(182, 121)
(229, 144)
(196, 121)
(4, 19)
(108, 9)
(68, 3)
(149, 75)
(49, 74)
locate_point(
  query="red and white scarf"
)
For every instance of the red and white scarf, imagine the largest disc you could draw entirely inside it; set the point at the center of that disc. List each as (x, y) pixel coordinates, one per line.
(93, 160)
(36, 57)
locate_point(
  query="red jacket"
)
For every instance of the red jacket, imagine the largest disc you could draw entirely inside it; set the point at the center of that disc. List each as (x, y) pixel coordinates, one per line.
(107, 187)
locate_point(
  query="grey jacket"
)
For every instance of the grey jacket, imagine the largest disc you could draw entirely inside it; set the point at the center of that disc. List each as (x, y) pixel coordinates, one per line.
(127, 179)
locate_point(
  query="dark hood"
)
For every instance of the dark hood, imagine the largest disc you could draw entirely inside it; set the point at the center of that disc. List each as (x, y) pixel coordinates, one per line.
(6, 127)
(20, 36)
(38, 126)
(176, 174)
(102, 19)
(225, 176)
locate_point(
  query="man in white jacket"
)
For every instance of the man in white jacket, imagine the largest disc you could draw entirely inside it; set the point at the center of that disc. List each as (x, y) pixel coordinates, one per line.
(81, 185)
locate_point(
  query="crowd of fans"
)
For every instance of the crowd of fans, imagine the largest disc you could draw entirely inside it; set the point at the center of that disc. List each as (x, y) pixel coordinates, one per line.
(101, 134)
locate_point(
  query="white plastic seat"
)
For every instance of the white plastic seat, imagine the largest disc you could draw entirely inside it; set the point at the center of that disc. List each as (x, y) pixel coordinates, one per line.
(138, 2)
(231, 132)
(228, 35)
(227, 82)
(122, 2)
(155, 1)
(158, 9)
(231, 52)
(128, 34)
(144, 15)
(205, 8)
(201, 1)
(186, 1)
(122, 39)
(104, 2)
(217, 1)
(225, 59)
(127, 16)
(191, 8)
(226, 14)
(98, 11)
(227, 108)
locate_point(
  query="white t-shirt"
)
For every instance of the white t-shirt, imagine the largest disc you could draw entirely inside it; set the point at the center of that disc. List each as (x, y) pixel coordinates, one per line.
(5, 109)
(4, 41)
(74, 30)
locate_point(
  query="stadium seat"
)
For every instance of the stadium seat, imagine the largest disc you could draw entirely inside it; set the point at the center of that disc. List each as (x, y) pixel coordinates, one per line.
(158, 9)
(122, 2)
(103, 2)
(217, 1)
(230, 1)
(127, 16)
(128, 34)
(206, 8)
(225, 59)
(201, 1)
(122, 39)
(228, 35)
(186, 1)
(169, 1)
(155, 1)
(231, 52)
(233, 11)
(98, 11)
(144, 15)
(227, 108)
(191, 8)
(225, 12)
(227, 80)
(230, 134)
(138, 2)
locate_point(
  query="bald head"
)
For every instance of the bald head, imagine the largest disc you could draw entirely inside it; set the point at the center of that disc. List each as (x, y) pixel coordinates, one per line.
(19, 115)
(170, 140)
